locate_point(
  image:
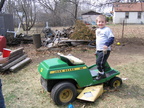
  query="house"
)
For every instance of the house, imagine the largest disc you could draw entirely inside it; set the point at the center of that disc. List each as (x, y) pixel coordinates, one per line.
(90, 17)
(131, 13)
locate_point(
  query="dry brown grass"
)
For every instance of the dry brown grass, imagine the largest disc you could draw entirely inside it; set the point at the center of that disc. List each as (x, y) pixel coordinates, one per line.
(22, 89)
(130, 31)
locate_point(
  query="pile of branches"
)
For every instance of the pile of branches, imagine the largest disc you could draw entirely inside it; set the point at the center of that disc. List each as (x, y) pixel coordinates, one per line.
(82, 32)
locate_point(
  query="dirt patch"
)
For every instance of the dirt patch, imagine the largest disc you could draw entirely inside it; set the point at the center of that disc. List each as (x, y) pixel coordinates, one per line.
(120, 54)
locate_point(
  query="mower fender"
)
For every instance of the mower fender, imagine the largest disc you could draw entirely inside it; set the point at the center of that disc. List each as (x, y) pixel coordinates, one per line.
(80, 74)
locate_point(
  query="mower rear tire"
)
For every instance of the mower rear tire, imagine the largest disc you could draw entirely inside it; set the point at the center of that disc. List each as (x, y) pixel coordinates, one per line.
(115, 82)
(63, 93)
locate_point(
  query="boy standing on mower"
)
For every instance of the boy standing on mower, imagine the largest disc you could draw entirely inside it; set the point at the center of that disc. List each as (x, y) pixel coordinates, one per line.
(104, 38)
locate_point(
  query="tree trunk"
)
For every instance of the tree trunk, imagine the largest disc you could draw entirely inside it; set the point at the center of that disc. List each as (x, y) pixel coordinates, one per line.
(1, 4)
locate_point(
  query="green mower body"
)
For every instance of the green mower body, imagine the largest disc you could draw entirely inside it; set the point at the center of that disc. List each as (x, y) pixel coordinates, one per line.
(56, 71)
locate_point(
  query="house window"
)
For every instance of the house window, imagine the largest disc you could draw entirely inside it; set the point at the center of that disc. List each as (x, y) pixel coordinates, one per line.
(127, 15)
(139, 15)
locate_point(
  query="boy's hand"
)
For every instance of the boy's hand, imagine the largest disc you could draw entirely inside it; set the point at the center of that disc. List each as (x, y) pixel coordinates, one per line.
(105, 49)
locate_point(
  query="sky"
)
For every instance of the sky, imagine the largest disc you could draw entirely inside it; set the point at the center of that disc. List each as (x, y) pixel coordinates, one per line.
(106, 9)
(93, 2)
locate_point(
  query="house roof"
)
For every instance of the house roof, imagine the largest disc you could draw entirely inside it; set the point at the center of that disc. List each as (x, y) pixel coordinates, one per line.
(91, 13)
(129, 7)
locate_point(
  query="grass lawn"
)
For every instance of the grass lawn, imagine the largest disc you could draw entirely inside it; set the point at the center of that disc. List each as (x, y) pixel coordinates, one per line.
(22, 89)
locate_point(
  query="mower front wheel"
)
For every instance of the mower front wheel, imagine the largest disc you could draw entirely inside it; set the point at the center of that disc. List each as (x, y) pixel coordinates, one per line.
(63, 93)
(115, 82)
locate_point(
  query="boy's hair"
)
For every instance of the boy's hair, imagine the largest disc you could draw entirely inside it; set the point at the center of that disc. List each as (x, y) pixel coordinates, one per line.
(101, 17)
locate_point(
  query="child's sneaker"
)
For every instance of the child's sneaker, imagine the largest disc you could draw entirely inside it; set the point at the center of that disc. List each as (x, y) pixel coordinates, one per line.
(100, 76)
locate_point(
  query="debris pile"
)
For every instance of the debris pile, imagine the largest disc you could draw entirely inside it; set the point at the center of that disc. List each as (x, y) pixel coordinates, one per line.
(82, 32)
(17, 59)
(15, 39)
(57, 37)
(72, 36)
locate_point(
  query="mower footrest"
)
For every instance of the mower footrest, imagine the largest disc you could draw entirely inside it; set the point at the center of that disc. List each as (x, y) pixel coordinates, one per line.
(110, 73)
(94, 71)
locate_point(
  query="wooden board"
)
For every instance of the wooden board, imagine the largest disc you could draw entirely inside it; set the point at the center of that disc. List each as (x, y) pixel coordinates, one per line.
(91, 93)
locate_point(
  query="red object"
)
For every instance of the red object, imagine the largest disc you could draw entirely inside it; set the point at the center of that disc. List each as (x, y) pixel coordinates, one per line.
(6, 52)
(2, 43)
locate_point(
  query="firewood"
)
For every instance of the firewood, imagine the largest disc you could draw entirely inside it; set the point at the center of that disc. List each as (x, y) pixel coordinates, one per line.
(13, 63)
(20, 64)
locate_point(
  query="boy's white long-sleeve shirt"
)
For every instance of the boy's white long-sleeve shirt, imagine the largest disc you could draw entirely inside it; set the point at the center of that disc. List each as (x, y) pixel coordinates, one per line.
(104, 36)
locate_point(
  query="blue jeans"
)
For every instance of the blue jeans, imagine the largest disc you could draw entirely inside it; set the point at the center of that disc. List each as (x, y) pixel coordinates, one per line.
(2, 103)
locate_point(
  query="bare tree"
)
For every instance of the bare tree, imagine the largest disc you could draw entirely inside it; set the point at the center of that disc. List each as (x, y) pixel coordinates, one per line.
(1, 4)
(9, 7)
(141, 0)
(26, 12)
(61, 10)
(76, 4)
(51, 7)
(58, 12)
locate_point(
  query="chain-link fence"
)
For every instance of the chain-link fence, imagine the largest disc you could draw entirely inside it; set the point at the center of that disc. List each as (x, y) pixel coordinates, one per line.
(128, 33)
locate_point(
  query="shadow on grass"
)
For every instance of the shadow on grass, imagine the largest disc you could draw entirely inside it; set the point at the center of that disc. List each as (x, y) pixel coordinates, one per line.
(130, 91)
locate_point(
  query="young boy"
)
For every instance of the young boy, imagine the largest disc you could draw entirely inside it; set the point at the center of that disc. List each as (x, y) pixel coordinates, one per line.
(104, 38)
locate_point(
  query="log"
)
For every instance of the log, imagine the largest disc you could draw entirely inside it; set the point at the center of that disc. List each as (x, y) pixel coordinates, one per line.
(20, 64)
(11, 59)
(14, 55)
(13, 63)
(17, 51)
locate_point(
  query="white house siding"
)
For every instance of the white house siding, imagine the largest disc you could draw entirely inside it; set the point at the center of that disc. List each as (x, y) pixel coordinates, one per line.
(118, 17)
(133, 18)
